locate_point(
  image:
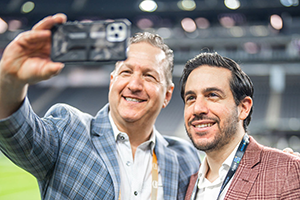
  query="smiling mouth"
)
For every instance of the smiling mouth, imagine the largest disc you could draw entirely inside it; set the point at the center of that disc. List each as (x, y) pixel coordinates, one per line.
(204, 125)
(133, 99)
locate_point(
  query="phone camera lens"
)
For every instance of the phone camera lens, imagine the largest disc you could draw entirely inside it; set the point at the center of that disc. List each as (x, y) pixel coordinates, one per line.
(112, 28)
(116, 35)
(120, 28)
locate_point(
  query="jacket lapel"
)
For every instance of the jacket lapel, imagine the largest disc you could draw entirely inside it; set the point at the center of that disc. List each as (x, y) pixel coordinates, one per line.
(104, 142)
(169, 168)
(247, 172)
(191, 186)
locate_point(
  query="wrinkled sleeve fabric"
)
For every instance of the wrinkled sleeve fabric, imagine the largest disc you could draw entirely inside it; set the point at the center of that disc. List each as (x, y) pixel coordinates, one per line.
(29, 141)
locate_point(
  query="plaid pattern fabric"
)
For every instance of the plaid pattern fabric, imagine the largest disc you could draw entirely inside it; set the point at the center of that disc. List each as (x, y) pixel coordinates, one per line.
(73, 155)
(263, 174)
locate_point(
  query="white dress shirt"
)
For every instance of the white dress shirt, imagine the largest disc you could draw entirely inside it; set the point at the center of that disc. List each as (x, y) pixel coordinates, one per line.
(210, 190)
(136, 176)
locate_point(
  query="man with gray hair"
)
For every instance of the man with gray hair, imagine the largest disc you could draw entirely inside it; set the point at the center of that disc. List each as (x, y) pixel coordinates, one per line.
(118, 154)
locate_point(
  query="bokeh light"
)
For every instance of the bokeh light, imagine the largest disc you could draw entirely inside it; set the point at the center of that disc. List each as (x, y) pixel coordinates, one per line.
(232, 4)
(3, 26)
(188, 25)
(187, 5)
(148, 6)
(276, 22)
(27, 7)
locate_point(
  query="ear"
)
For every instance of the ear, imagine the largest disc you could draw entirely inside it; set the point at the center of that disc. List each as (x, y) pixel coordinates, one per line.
(245, 107)
(168, 96)
(111, 79)
(113, 73)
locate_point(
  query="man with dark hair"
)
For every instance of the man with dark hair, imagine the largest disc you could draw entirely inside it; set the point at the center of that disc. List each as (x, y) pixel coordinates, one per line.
(218, 106)
(118, 154)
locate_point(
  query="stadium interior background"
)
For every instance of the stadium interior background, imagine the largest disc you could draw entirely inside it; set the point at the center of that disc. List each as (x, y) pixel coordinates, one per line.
(263, 36)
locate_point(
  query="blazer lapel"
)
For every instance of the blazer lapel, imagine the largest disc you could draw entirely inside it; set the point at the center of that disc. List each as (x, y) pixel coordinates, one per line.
(191, 186)
(169, 168)
(105, 144)
(246, 173)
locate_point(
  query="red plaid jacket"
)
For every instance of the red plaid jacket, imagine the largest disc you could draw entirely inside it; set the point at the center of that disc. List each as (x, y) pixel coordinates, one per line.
(264, 173)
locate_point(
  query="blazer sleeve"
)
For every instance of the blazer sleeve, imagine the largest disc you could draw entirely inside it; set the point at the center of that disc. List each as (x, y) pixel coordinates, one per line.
(29, 141)
(291, 188)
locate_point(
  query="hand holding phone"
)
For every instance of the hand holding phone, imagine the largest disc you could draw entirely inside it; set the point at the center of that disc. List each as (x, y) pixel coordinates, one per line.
(90, 42)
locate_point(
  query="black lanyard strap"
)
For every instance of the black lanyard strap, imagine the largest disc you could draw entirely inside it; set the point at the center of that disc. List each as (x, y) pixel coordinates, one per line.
(234, 165)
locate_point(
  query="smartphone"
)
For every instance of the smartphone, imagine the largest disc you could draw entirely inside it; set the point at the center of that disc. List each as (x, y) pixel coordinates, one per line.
(90, 42)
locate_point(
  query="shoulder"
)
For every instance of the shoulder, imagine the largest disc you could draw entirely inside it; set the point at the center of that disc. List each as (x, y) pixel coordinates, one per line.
(63, 115)
(276, 155)
(65, 110)
(272, 156)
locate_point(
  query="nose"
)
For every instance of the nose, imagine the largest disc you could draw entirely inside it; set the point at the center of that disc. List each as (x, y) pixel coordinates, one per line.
(135, 83)
(200, 107)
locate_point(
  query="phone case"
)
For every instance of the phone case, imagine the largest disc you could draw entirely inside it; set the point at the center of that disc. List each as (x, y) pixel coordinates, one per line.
(91, 42)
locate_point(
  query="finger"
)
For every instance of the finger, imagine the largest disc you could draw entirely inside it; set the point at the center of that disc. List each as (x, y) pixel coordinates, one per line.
(48, 22)
(288, 150)
(29, 37)
(48, 70)
(52, 69)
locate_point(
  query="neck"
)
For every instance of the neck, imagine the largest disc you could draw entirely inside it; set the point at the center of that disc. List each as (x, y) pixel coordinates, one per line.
(216, 158)
(137, 132)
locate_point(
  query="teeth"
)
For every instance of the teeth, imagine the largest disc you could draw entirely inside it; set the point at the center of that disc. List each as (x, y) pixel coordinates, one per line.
(132, 99)
(203, 125)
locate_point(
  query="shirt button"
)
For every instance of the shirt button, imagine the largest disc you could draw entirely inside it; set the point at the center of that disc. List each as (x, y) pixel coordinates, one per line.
(128, 163)
(135, 193)
(121, 137)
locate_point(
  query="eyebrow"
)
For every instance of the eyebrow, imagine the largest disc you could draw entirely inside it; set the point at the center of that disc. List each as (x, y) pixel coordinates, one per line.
(189, 93)
(210, 89)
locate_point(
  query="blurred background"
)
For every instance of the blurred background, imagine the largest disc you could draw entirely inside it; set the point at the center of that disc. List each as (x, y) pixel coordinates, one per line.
(263, 36)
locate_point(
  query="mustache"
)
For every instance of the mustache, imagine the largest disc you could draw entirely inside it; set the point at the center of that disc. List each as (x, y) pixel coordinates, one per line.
(202, 117)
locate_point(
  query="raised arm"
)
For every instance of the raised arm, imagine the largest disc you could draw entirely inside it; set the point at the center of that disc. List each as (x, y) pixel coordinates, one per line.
(26, 60)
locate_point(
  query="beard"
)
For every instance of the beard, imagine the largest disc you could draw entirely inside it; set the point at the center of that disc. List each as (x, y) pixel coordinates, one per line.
(221, 138)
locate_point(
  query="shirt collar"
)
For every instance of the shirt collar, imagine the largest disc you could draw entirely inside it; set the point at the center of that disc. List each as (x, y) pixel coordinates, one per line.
(225, 165)
(118, 134)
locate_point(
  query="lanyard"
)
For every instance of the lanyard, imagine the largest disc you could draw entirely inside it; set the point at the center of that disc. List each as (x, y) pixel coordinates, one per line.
(234, 165)
(154, 183)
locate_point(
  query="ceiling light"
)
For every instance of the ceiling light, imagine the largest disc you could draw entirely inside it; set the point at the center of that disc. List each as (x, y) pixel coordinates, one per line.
(232, 4)
(148, 6)
(187, 5)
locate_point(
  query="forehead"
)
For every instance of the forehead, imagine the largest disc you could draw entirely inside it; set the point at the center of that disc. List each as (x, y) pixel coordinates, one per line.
(145, 53)
(206, 76)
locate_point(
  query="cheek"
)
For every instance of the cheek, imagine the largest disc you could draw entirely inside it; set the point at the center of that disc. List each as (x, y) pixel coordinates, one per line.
(223, 113)
(187, 114)
(154, 90)
(117, 83)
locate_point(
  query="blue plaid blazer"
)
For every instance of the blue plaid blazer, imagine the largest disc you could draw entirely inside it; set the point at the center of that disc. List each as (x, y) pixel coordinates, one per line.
(73, 155)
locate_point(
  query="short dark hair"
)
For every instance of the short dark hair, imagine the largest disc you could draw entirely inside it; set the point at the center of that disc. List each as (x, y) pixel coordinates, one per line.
(240, 83)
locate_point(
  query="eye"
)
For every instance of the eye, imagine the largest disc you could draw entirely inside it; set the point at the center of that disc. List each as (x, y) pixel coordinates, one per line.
(150, 77)
(212, 94)
(125, 72)
(189, 98)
